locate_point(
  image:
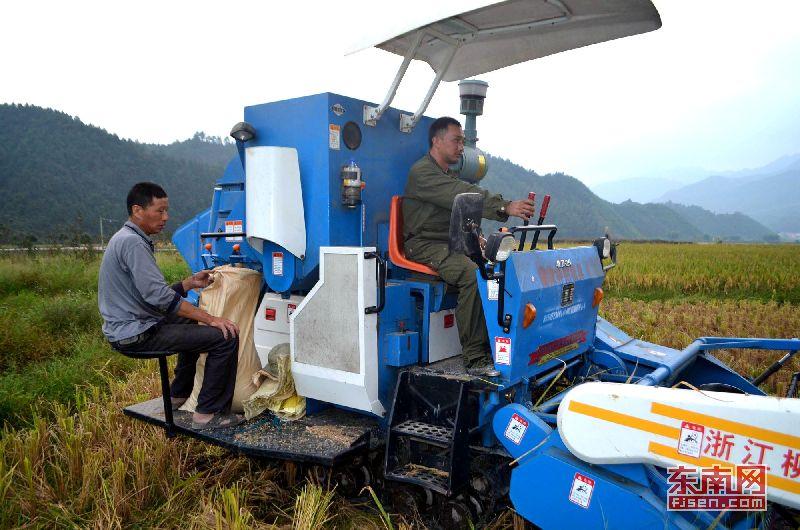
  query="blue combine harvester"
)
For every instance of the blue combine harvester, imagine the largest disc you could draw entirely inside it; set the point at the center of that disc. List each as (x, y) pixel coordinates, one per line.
(578, 425)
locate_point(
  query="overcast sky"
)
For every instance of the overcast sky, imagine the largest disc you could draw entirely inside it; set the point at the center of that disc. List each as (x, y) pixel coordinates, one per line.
(717, 87)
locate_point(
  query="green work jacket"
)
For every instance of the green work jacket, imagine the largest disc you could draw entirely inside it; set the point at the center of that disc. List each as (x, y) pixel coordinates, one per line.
(428, 201)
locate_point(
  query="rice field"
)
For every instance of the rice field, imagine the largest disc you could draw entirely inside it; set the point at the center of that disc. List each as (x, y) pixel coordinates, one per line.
(657, 271)
(69, 458)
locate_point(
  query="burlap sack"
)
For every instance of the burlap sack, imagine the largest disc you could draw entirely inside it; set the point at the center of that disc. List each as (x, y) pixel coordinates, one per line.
(233, 295)
(276, 390)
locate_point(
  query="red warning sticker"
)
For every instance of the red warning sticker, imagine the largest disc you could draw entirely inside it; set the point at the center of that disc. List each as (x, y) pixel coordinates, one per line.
(502, 350)
(581, 491)
(691, 441)
(277, 263)
(289, 310)
(233, 227)
(516, 428)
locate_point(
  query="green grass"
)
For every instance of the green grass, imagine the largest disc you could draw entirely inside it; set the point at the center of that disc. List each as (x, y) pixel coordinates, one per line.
(51, 342)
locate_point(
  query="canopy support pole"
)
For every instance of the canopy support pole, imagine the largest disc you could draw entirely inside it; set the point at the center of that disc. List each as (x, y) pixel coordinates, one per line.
(407, 122)
(373, 114)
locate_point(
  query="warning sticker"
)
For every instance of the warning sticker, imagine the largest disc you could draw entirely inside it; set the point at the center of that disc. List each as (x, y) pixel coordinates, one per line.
(233, 227)
(516, 428)
(334, 134)
(289, 310)
(581, 491)
(493, 288)
(502, 350)
(277, 263)
(691, 441)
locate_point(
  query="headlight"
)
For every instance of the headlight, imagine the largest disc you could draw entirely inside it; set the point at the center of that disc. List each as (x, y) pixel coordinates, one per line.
(243, 132)
(499, 246)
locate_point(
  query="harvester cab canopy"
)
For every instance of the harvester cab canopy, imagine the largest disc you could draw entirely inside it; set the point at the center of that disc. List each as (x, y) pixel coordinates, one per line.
(459, 43)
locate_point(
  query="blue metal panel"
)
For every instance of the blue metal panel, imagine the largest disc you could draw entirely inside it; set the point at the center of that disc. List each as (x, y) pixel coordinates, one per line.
(560, 330)
(227, 204)
(402, 348)
(187, 240)
(622, 496)
(385, 156)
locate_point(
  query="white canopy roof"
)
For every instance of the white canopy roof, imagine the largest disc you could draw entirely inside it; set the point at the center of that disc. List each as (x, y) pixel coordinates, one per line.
(492, 35)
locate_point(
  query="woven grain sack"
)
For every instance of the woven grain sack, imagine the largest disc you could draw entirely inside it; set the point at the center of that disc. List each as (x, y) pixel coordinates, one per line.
(233, 295)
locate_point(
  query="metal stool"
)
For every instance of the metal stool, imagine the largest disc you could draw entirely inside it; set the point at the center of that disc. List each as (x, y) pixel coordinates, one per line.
(169, 427)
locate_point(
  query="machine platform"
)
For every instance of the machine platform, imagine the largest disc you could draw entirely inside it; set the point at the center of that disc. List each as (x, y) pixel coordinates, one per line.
(325, 438)
(452, 367)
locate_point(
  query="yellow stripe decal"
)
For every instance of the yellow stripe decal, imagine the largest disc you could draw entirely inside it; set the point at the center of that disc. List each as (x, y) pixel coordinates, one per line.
(624, 419)
(727, 425)
(773, 481)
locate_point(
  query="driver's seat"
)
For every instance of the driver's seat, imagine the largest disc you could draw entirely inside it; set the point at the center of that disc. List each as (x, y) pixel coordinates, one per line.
(396, 253)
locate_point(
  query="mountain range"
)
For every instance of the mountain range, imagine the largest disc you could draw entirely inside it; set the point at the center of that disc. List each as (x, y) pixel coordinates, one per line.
(769, 194)
(60, 176)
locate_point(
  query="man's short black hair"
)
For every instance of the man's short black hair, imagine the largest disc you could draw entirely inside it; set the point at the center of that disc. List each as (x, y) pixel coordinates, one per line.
(440, 126)
(143, 193)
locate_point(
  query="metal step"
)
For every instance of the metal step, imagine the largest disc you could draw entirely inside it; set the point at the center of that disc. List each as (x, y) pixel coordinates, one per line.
(427, 477)
(425, 432)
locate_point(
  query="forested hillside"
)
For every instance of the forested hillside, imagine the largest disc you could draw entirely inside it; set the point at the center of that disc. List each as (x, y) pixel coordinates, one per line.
(580, 214)
(727, 226)
(59, 176)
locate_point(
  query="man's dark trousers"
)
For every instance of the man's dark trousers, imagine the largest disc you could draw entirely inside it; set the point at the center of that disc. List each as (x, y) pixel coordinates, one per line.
(190, 340)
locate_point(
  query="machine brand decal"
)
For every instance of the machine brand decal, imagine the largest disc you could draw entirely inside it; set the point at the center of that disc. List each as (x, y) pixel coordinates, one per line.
(233, 227)
(337, 109)
(691, 441)
(581, 491)
(577, 308)
(502, 350)
(516, 428)
(277, 263)
(567, 294)
(289, 310)
(334, 136)
(557, 347)
(492, 289)
(561, 263)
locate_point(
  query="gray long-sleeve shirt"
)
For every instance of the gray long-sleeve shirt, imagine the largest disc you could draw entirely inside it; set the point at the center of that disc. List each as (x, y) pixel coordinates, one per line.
(131, 291)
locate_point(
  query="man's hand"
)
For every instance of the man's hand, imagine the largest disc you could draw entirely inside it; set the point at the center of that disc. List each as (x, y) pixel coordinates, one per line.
(225, 326)
(522, 208)
(228, 328)
(198, 281)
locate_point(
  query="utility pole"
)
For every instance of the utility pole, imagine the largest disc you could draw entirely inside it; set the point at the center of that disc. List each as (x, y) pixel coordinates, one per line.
(102, 239)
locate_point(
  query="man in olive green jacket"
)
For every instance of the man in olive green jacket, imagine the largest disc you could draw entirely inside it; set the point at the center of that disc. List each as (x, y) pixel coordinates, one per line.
(427, 204)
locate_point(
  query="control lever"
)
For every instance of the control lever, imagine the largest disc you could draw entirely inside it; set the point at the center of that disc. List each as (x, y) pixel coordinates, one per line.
(532, 198)
(542, 215)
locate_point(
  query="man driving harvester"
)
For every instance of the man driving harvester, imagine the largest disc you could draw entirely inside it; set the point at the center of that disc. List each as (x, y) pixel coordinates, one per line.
(427, 204)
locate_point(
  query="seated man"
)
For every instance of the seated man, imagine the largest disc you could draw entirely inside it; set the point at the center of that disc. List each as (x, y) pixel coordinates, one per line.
(427, 204)
(142, 313)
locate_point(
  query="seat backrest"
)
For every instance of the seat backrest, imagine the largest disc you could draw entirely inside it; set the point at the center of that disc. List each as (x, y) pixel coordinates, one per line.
(396, 252)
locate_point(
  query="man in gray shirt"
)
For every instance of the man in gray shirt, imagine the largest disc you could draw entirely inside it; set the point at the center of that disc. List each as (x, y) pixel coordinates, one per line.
(142, 313)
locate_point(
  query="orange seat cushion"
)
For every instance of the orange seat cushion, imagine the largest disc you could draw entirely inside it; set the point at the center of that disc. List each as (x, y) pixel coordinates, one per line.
(396, 252)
